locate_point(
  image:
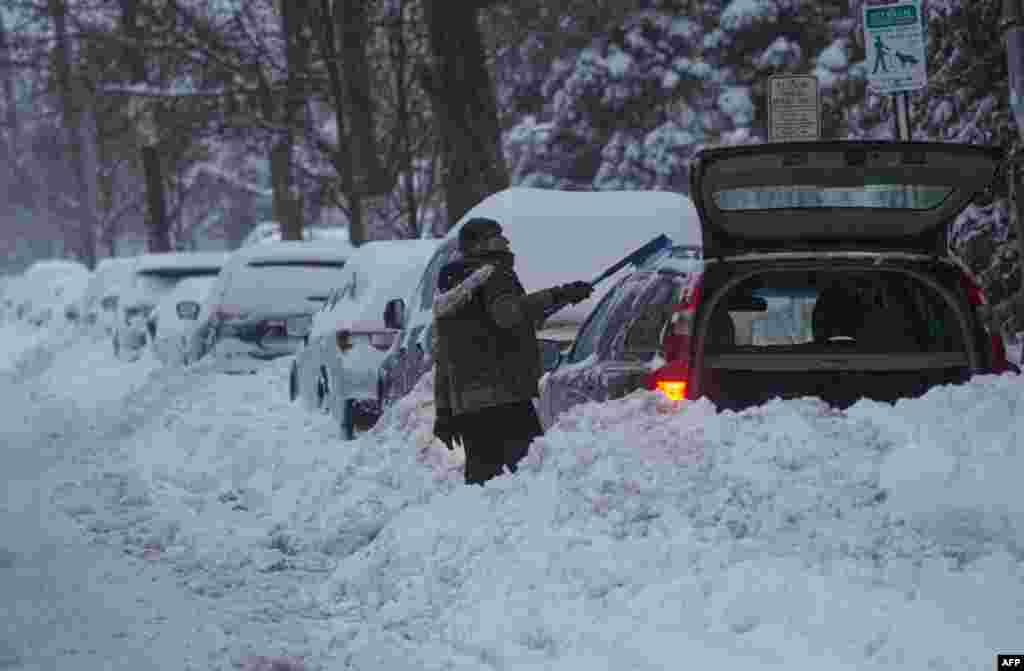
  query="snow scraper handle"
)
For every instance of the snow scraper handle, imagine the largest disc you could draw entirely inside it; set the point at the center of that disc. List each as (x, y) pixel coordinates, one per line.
(636, 258)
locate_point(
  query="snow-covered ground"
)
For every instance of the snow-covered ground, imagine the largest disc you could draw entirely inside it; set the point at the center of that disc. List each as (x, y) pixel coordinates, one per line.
(172, 518)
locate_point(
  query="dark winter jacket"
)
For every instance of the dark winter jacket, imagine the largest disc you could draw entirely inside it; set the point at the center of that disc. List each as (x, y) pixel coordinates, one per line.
(485, 336)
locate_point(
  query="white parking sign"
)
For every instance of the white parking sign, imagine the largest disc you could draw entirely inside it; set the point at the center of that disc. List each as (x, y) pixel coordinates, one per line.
(794, 108)
(894, 41)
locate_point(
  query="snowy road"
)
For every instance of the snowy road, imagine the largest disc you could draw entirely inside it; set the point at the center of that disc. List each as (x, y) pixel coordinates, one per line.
(183, 519)
(68, 603)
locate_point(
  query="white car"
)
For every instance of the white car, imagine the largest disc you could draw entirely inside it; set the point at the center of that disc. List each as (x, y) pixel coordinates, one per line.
(262, 305)
(177, 317)
(154, 276)
(337, 370)
(45, 291)
(98, 306)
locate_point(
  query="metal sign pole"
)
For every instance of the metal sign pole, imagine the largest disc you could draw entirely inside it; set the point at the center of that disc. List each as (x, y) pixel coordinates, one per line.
(901, 101)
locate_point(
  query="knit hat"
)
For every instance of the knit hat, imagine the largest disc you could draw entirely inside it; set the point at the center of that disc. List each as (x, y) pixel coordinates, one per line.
(476, 230)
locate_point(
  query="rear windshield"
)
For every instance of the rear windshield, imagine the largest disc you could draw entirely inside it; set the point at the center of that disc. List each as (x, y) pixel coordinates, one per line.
(868, 196)
(155, 283)
(283, 286)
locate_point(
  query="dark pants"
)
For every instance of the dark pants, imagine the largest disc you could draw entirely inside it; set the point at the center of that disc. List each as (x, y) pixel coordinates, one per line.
(497, 437)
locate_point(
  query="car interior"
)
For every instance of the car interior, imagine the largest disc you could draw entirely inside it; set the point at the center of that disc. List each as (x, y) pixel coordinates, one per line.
(837, 334)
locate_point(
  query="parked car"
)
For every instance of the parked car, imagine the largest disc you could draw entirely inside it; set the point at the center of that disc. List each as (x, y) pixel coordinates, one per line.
(100, 302)
(558, 237)
(825, 274)
(154, 276)
(262, 305)
(46, 291)
(337, 371)
(176, 320)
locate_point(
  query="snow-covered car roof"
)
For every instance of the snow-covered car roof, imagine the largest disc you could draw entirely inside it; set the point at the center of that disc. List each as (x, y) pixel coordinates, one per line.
(327, 250)
(375, 273)
(174, 262)
(270, 231)
(110, 275)
(564, 236)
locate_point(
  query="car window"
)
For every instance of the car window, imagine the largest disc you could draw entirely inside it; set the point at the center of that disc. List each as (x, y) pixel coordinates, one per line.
(590, 334)
(428, 285)
(636, 327)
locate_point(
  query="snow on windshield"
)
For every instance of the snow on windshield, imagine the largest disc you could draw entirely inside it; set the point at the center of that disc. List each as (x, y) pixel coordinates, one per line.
(376, 272)
(284, 286)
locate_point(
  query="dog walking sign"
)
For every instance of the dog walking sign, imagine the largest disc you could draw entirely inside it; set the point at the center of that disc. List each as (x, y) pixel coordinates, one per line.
(894, 42)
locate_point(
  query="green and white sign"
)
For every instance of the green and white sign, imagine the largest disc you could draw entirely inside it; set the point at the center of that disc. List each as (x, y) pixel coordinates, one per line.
(894, 41)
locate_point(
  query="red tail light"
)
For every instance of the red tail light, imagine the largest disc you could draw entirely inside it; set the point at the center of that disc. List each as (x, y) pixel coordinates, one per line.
(976, 299)
(678, 340)
(672, 380)
(222, 313)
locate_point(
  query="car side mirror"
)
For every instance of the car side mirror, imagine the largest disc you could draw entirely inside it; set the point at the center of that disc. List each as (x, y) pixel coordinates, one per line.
(394, 314)
(187, 310)
(550, 354)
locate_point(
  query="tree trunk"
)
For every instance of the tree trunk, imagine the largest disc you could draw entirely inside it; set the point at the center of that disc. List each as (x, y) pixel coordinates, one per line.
(157, 225)
(462, 95)
(403, 129)
(10, 100)
(85, 226)
(287, 206)
(131, 53)
(344, 163)
(353, 27)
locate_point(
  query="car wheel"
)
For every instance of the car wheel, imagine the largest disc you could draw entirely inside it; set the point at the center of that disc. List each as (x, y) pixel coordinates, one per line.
(323, 389)
(348, 420)
(293, 383)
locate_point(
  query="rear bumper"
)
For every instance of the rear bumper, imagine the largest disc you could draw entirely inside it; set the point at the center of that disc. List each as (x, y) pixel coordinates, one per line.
(233, 348)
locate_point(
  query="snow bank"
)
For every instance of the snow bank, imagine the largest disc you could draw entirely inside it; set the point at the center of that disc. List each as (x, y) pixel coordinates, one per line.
(637, 532)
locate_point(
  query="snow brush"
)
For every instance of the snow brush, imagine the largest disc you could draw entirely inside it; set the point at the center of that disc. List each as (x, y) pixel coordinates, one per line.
(636, 258)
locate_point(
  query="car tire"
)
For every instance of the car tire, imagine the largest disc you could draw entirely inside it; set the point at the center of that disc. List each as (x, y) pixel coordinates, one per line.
(293, 383)
(323, 389)
(348, 420)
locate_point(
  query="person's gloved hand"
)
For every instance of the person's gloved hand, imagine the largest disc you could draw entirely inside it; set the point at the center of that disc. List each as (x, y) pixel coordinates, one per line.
(575, 292)
(444, 428)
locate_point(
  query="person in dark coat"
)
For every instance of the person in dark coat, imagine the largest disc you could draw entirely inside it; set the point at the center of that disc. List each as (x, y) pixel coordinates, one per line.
(487, 361)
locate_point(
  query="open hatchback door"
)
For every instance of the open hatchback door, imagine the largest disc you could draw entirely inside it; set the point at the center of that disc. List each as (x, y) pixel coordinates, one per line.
(843, 195)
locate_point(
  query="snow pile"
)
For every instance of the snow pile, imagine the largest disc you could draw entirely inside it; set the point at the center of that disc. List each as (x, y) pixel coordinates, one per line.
(637, 532)
(787, 534)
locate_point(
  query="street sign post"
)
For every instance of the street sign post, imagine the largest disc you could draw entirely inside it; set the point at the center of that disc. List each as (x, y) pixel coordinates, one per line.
(794, 108)
(896, 55)
(894, 42)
